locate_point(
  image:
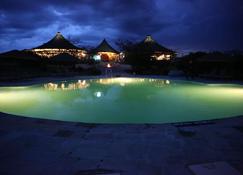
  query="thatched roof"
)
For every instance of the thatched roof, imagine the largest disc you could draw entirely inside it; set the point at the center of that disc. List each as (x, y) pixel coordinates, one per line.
(104, 46)
(58, 42)
(151, 45)
(64, 57)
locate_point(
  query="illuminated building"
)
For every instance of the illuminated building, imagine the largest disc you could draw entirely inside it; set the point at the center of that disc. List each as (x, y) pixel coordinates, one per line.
(104, 52)
(159, 52)
(58, 45)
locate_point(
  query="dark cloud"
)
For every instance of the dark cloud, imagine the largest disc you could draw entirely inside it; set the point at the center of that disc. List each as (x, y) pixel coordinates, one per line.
(179, 24)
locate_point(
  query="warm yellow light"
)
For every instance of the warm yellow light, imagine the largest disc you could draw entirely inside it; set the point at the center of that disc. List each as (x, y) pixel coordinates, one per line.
(51, 86)
(112, 56)
(162, 57)
(71, 86)
(48, 53)
(121, 80)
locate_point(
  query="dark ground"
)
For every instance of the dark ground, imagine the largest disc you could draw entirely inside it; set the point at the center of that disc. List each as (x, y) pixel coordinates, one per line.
(44, 147)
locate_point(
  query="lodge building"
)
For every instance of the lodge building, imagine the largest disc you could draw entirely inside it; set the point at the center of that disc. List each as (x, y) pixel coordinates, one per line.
(158, 51)
(58, 45)
(104, 52)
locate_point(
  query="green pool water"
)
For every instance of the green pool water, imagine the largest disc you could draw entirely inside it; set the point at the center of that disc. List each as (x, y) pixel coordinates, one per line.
(124, 100)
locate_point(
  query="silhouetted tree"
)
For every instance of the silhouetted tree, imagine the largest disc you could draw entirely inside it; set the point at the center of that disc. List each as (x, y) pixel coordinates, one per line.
(212, 65)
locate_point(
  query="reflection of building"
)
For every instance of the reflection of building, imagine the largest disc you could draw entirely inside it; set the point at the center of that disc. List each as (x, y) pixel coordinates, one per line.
(58, 45)
(105, 52)
(158, 52)
(122, 81)
(159, 82)
(71, 86)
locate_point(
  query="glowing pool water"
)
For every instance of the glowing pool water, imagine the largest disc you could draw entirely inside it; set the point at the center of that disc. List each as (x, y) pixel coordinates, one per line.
(124, 100)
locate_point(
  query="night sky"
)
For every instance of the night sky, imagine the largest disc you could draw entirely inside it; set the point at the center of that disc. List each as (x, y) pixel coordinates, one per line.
(182, 25)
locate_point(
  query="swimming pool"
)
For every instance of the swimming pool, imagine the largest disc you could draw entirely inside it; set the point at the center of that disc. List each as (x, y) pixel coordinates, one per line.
(124, 100)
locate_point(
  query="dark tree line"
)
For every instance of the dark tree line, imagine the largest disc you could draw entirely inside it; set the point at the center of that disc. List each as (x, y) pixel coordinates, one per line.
(215, 65)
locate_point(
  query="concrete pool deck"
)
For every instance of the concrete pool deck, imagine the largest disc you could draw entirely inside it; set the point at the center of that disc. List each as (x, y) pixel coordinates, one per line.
(46, 147)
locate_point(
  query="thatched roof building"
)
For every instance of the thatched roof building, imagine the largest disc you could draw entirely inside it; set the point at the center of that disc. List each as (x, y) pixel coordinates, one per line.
(150, 44)
(57, 45)
(104, 46)
(105, 52)
(159, 52)
(58, 41)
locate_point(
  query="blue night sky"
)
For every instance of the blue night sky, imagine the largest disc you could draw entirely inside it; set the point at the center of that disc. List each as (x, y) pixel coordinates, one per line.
(182, 25)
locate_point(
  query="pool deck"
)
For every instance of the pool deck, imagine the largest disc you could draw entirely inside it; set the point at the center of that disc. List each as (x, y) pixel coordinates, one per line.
(45, 147)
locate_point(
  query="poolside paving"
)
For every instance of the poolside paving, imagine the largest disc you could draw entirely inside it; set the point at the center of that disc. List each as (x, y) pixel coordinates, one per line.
(44, 147)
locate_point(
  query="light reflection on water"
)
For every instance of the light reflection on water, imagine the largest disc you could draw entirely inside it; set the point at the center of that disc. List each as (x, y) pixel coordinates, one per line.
(70, 86)
(82, 84)
(123, 100)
